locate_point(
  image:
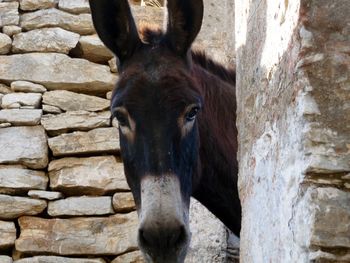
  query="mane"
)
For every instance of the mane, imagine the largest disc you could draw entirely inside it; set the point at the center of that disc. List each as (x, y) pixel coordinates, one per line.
(226, 74)
(152, 34)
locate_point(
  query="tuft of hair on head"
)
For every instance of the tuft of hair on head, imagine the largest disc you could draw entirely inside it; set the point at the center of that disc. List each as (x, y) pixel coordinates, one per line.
(150, 33)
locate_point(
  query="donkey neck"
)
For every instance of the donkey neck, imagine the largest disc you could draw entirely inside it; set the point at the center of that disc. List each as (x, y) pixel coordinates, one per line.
(217, 177)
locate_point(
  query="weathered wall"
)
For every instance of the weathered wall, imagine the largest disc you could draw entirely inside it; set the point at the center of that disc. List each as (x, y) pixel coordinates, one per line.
(62, 187)
(293, 64)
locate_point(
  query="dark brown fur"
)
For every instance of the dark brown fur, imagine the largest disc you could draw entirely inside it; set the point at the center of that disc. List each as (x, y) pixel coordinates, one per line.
(165, 88)
(216, 188)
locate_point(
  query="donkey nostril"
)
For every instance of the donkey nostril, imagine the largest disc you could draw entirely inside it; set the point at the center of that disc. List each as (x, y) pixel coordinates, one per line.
(167, 237)
(177, 236)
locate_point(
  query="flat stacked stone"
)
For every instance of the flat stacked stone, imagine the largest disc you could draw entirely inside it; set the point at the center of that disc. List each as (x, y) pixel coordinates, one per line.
(74, 121)
(92, 48)
(45, 40)
(16, 179)
(75, 7)
(101, 140)
(11, 30)
(55, 259)
(91, 175)
(21, 100)
(24, 145)
(12, 207)
(132, 257)
(4, 89)
(113, 65)
(5, 44)
(51, 109)
(81, 206)
(5, 259)
(330, 204)
(71, 101)
(7, 235)
(30, 5)
(18, 117)
(123, 202)
(47, 195)
(111, 235)
(57, 71)
(26, 86)
(144, 15)
(81, 24)
(9, 14)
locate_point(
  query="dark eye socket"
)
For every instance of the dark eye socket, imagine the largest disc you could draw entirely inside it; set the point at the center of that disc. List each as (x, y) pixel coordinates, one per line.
(192, 113)
(121, 118)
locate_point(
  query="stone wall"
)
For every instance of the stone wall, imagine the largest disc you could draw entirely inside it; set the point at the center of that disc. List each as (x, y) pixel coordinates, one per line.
(63, 196)
(293, 64)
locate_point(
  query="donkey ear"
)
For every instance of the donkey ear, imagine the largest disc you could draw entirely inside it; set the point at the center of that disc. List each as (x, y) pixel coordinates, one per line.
(115, 26)
(184, 22)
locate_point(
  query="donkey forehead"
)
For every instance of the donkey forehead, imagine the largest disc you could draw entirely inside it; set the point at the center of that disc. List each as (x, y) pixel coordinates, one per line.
(170, 90)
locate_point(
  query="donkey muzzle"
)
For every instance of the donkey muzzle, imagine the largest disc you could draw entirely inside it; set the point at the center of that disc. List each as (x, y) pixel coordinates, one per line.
(163, 231)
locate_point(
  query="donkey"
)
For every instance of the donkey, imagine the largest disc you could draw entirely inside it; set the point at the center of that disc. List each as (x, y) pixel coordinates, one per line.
(176, 112)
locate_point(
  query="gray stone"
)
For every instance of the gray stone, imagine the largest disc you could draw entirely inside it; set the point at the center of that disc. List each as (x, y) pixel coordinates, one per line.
(13, 206)
(113, 65)
(57, 71)
(218, 43)
(17, 100)
(123, 202)
(5, 259)
(45, 40)
(55, 259)
(131, 257)
(51, 109)
(101, 140)
(145, 14)
(26, 86)
(11, 30)
(75, 7)
(81, 24)
(111, 235)
(81, 206)
(9, 14)
(331, 220)
(74, 121)
(5, 44)
(92, 48)
(109, 95)
(18, 117)
(47, 195)
(5, 125)
(205, 226)
(324, 257)
(7, 235)
(4, 89)
(70, 101)
(30, 5)
(24, 145)
(92, 175)
(16, 255)
(16, 179)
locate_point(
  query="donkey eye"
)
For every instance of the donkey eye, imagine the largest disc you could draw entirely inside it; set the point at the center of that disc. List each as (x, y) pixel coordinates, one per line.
(121, 118)
(192, 113)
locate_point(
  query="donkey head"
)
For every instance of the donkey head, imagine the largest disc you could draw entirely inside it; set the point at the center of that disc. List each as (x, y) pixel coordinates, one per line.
(156, 102)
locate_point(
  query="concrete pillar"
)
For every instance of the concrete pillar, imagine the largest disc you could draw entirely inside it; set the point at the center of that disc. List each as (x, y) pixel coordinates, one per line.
(293, 93)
